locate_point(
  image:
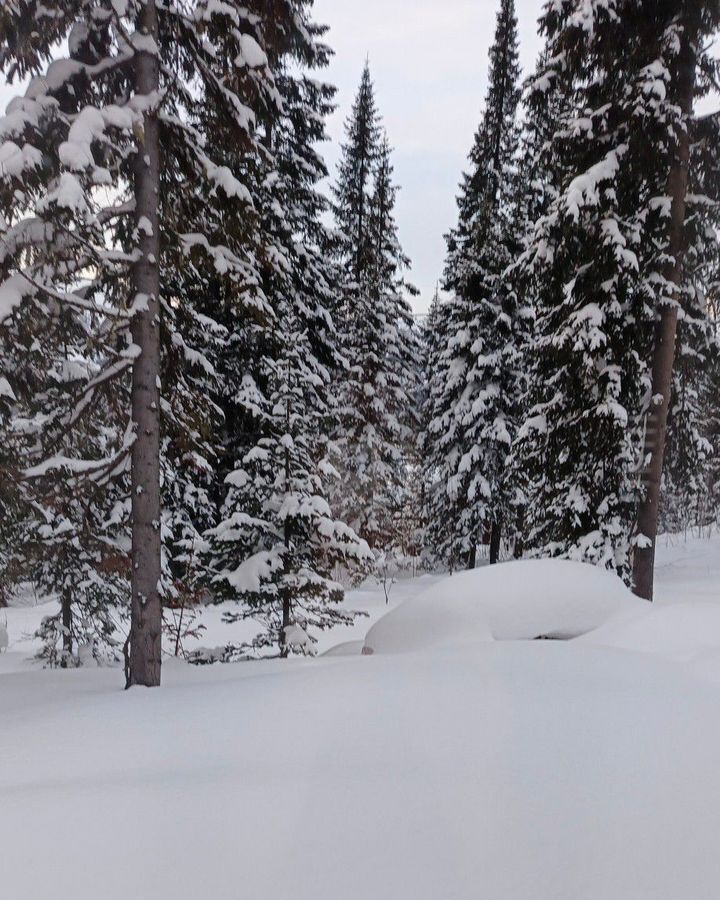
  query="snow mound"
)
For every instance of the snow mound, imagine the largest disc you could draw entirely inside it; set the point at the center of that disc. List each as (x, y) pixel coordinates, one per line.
(347, 648)
(436, 618)
(683, 631)
(544, 598)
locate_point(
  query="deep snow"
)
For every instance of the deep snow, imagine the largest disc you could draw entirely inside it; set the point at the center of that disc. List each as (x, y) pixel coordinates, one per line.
(463, 769)
(539, 598)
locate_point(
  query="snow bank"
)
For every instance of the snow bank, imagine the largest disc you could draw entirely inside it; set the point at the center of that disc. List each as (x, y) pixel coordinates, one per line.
(347, 648)
(512, 601)
(436, 618)
(680, 631)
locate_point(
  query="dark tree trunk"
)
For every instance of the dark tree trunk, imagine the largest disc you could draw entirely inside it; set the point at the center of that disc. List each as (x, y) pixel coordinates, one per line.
(146, 611)
(495, 539)
(519, 548)
(286, 598)
(286, 605)
(66, 615)
(665, 337)
(472, 557)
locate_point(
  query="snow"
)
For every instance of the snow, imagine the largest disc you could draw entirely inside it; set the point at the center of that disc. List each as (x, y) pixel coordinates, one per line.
(6, 389)
(15, 160)
(69, 194)
(681, 631)
(684, 624)
(585, 189)
(499, 768)
(494, 603)
(438, 618)
(251, 53)
(223, 178)
(12, 292)
(89, 125)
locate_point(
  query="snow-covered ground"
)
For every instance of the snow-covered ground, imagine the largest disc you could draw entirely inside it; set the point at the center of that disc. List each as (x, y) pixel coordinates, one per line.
(458, 761)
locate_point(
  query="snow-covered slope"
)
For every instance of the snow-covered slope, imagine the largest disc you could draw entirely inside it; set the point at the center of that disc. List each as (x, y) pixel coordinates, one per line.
(499, 769)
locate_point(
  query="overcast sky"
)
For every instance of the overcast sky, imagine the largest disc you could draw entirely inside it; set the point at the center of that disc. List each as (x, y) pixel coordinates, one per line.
(429, 61)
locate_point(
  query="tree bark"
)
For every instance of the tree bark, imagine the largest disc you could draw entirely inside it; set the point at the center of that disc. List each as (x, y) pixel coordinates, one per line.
(666, 334)
(472, 557)
(286, 598)
(146, 609)
(66, 616)
(519, 548)
(495, 539)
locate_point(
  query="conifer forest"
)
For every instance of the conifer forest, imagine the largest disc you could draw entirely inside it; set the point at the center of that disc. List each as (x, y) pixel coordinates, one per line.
(430, 575)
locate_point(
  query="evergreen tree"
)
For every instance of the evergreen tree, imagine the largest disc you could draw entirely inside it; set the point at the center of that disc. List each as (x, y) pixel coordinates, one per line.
(598, 263)
(544, 102)
(278, 543)
(683, 33)
(377, 393)
(487, 320)
(711, 416)
(95, 171)
(444, 543)
(690, 450)
(359, 156)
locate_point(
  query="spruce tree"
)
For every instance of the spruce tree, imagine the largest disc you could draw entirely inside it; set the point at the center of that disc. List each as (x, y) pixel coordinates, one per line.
(487, 320)
(278, 543)
(681, 37)
(711, 419)
(377, 392)
(445, 543)
(686, 498)
(352, 191)
(114, 196)
(598, 265)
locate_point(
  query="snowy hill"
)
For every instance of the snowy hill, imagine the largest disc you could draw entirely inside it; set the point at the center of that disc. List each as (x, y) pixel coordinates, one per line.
(465, 769)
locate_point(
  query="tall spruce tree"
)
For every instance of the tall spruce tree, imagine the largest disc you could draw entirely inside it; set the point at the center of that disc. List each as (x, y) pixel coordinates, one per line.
(711, 415)
(445, 544)
(112, 188)
(377, 392)
(277, 545)
(682, 35)
(479, 407)
(600, 264)
(691, 451)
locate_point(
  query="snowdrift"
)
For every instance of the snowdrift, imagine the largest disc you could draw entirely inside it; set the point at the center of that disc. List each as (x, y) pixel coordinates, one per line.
(438, 617)
(546, 598)
(681, 631)
(498, 769)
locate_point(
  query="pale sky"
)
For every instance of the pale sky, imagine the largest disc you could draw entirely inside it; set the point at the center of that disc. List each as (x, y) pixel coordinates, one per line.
(429, 62)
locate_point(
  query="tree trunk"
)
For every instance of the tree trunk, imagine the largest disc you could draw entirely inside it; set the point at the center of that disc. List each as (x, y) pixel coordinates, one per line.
(665, 337)
(519, 548)
(66, 615)
(472, 557)
(495, 538)
(146, 610)
(286, 606)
